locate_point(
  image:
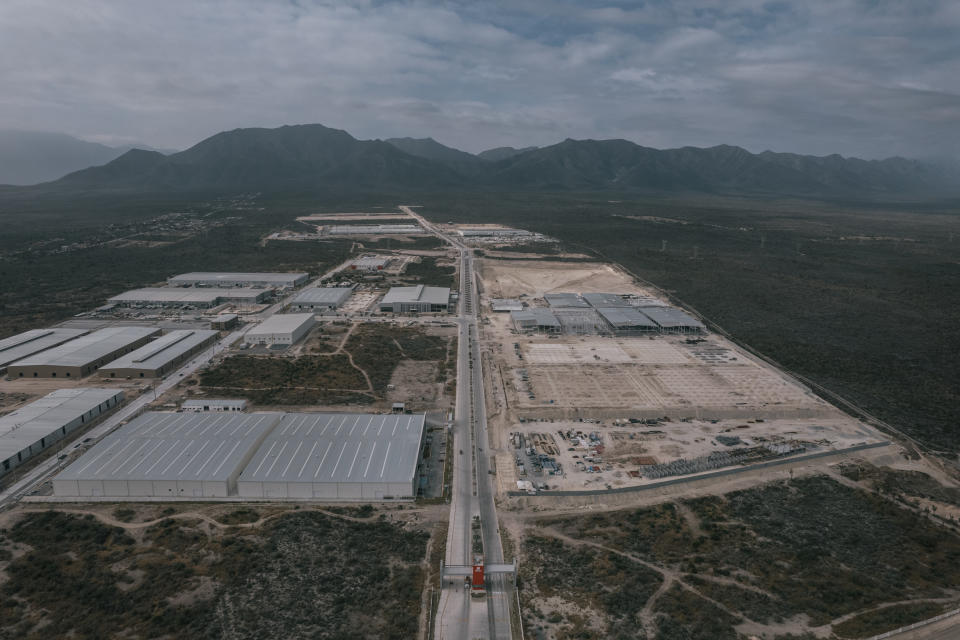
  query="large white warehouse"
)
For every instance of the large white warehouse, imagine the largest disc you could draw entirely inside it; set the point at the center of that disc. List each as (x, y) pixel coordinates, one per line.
(33, 428)
(222, 279)
(282, 328)
(28, 343)
(337, 456)
(170, 455)
(321, 298)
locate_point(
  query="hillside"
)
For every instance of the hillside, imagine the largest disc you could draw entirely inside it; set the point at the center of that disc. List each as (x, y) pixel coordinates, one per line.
(314, 157)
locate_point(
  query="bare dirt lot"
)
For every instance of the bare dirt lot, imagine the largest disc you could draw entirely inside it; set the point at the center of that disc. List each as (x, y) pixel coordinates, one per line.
(516, 278)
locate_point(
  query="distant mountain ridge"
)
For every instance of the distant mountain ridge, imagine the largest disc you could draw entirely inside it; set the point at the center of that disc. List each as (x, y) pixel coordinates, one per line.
(31, 157)
(315, 156)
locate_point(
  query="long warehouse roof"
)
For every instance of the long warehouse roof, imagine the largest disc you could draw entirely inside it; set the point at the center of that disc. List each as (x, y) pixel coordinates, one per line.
(338, 447)
(543, 317)
(281, 323)
(80, 351)
(670, 317)
(163, 350)
(621, 317)
(605, 300)
(174, 446)
(23, 427)
(564, 300)
(321, 295)
(279, 278)
(419, 293)
(30, 342)
(185, 296)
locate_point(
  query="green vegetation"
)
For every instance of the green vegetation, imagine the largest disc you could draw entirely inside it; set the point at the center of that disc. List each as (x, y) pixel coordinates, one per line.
(876, 622)
(304, 574)
(376, 349)
(809, 547)
(428, 273)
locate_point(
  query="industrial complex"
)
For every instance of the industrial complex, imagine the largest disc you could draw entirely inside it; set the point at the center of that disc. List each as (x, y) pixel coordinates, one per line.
(33, 428)
(328, 456)
(222, 279)
(82, 356)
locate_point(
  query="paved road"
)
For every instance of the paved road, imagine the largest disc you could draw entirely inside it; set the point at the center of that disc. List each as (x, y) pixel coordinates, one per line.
(459, 615)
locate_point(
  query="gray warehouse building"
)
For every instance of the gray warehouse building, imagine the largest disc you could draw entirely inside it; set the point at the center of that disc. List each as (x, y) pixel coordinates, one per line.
(35, 427)
(418, 299)
(321, 299)
(673, 320)
(337, 456)
(170, 455)
(84, 355)
(605, 300)
(628, 321)
(161, 356)
(535, 319)
(565, 301)
(28, 343)
(224, 279)
(282, 328)
(180, 297)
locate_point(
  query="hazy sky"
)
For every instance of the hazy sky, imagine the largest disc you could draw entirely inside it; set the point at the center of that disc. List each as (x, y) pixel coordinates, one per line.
(872, 78)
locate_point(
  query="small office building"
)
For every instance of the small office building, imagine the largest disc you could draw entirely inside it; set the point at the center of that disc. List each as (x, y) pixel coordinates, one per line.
(216, 405)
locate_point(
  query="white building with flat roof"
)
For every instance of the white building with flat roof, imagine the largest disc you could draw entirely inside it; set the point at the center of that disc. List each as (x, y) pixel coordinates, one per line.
(229, 279)
(321, 298)
(181, 297)
(168, 455)
(337, 456)
(281, 328)
(37, 426)
(418, 299)
(214, 404)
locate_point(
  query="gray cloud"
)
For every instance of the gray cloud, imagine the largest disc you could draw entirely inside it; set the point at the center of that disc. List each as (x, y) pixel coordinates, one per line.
(856, 77)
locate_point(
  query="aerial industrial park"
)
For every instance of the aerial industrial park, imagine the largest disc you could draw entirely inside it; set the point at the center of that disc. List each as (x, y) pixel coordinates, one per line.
(553, 385)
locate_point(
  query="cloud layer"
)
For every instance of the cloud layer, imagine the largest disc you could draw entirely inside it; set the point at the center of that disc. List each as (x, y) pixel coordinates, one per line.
(872, 78)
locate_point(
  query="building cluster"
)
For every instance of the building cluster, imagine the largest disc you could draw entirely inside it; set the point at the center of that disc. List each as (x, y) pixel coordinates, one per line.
(609, 313)
(273, 455)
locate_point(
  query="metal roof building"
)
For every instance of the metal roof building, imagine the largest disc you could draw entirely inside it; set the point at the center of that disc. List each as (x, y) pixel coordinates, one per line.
(535, 319)
(161, 356)
(169, 455)
(282, 328)
(373, 229)
(605, 300)
(321, 298)
(29, 430)
(30, 342)
(420, 299)
(84, 355)
(506, 305)
(673, 320)
(337, 456)
(227, 279)
(369, 263)
(181, 297)
(565, 300)
(214, 404)
(625, 321)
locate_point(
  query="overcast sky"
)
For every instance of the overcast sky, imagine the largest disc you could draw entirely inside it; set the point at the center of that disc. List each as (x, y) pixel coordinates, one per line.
(869, 78)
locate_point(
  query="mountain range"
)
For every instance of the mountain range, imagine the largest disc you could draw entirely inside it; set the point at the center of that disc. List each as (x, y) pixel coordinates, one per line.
(31, 157)
(317, 157)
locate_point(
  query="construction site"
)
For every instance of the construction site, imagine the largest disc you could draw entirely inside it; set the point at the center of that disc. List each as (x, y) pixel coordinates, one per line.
(580, 402)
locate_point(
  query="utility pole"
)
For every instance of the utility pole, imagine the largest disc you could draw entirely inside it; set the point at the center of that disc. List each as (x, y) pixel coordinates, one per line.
(663, 246)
